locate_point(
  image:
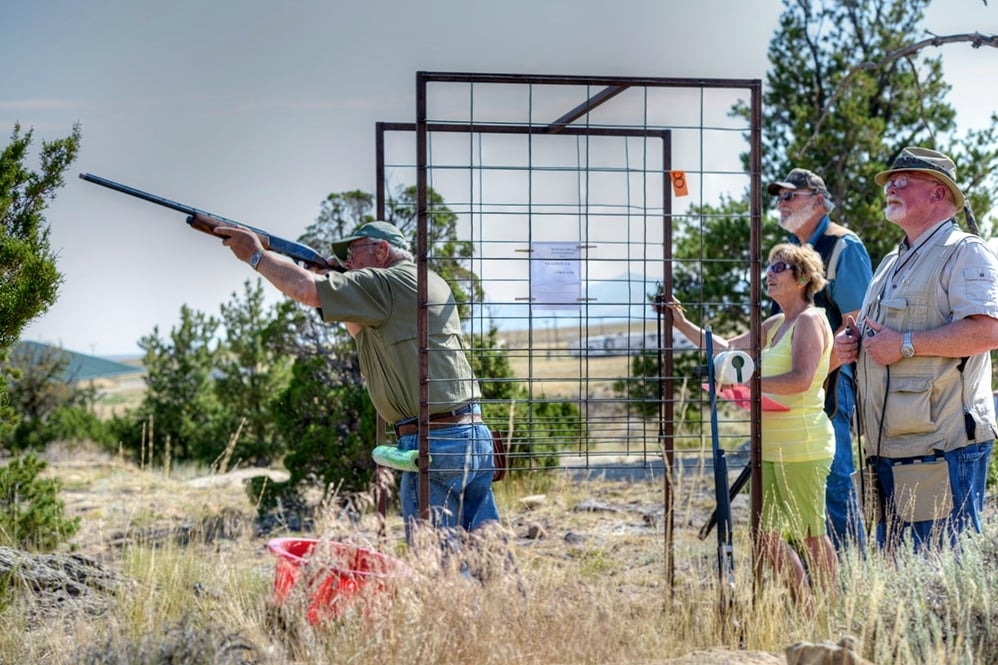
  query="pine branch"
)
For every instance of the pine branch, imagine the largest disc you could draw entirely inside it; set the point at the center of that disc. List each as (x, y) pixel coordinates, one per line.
(976, 40)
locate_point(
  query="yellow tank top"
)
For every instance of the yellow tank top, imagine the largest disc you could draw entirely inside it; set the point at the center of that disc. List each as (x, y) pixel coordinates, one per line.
(804, 433)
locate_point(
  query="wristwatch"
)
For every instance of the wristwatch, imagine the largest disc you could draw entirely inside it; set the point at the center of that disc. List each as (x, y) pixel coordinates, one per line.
(254, 260)
(907, 350)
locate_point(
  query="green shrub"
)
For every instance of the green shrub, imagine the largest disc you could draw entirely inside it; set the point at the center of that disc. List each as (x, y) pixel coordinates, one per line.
(540, 427)
(641, 388)
(329, 419)
(49, 403)
(31, 514)
(65, 423)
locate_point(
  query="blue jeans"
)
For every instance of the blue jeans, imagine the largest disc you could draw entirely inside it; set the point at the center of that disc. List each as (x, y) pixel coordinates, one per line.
(968, 475)
(461, 468)
(845, 521)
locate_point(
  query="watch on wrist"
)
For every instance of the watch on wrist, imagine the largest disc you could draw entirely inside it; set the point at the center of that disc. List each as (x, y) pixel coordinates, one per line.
(907, 350)
(254, 260)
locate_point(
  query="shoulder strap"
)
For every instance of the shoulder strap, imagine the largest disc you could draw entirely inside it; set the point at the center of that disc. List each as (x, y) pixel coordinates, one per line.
(833, 259)
(830, 245)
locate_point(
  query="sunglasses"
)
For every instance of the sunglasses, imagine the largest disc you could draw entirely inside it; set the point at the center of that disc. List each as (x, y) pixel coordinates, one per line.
(902, 180)
(778, 267)
(790, 195)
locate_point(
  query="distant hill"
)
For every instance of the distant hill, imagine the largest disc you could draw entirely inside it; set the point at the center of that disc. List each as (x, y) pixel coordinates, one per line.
(79, 366)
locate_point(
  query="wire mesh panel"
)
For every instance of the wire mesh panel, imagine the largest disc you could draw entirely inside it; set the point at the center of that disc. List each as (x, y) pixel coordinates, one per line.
(569, 203)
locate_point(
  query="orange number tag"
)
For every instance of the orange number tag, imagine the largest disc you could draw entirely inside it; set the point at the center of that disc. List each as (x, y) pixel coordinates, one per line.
(679, 183)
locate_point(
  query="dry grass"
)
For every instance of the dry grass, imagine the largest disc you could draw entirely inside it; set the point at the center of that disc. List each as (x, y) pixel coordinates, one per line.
(591, 582)
(589, 586)
(587, 567)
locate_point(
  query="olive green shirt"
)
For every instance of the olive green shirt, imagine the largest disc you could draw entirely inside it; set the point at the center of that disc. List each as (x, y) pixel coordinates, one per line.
(383, 302)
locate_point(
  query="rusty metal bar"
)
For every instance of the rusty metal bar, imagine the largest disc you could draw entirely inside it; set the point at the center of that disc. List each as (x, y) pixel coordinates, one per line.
(597, 81)
(755, 270)
(422, 315)
(379, 168)
(486, 128)
(381, 476)
(585, 107)
(668, 431)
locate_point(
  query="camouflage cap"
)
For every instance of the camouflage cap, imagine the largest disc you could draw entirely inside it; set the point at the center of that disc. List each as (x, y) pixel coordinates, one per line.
(930, 162)
(375, 230)
(800, 179)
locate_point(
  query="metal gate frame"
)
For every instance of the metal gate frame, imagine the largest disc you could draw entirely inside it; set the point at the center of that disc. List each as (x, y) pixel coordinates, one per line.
(611, 87)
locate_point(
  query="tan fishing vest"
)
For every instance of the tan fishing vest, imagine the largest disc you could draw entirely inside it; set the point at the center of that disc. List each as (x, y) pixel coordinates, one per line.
(919, 405)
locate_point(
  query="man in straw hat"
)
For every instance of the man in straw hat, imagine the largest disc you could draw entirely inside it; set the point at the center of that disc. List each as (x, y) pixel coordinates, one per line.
(804, 204)
(922, 343)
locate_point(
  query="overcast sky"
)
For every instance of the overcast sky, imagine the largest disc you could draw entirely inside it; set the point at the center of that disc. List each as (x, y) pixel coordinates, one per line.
(256, 110)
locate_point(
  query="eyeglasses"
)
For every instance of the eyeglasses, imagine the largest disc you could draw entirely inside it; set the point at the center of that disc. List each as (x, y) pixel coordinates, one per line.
(353, 248)
(902, 180)
(778, 267)
(790, 195)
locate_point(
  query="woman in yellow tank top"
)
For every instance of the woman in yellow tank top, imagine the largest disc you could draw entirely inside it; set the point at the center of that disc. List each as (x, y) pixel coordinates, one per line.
(797, 444)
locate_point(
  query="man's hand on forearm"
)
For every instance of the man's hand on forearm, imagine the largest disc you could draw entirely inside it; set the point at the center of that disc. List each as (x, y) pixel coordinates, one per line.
(290, 279)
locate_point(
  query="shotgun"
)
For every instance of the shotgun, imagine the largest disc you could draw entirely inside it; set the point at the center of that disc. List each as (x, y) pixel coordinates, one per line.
(725, 549)
(740, 482)
(207, 222)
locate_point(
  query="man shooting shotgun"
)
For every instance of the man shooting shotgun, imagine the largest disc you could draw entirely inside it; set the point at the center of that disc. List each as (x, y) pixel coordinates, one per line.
(207, 222)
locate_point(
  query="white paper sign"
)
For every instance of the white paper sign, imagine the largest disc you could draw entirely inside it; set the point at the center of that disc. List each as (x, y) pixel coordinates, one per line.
(555, 275)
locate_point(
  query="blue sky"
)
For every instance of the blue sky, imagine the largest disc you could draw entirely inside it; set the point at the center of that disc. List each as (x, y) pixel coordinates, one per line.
(257, 110)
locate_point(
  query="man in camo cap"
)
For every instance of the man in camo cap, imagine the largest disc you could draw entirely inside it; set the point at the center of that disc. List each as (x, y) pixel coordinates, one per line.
(804, 204)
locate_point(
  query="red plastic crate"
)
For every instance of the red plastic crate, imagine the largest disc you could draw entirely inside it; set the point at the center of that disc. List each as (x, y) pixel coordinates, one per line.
(334, 574)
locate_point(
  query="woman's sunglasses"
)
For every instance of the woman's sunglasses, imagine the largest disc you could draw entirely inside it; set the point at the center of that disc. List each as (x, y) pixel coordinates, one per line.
(778, 267)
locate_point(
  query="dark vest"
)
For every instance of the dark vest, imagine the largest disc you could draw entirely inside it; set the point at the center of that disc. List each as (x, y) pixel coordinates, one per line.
(825, 246)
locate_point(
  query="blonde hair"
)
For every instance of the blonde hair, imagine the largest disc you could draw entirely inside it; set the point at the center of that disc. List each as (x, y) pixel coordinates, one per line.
(805, 263)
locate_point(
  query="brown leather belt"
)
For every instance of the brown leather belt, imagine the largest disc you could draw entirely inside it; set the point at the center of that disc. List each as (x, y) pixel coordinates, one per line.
(444, 419)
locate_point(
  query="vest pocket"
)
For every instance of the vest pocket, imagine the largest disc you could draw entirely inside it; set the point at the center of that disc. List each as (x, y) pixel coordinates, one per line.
(911, 407)
(922, 490)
